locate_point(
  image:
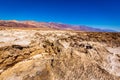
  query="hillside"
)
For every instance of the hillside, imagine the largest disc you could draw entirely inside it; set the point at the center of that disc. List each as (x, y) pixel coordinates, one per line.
(27, 54)
(49, 25)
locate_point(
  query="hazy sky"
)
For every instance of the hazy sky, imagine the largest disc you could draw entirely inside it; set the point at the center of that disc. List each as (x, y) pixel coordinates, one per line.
(96, 13)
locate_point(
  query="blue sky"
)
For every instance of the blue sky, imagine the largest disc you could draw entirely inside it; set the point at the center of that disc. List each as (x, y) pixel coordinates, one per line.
(96, 13)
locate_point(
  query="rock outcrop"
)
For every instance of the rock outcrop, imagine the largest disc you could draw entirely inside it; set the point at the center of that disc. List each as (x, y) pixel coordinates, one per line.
(59, 55)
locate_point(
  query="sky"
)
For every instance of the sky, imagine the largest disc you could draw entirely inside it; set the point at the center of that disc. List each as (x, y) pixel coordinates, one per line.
(103, 14)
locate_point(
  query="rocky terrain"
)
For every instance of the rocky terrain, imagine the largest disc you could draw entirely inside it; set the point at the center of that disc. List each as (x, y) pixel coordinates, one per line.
(27, 54)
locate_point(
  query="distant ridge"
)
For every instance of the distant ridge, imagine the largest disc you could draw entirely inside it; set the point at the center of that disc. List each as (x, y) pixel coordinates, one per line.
(50, 25)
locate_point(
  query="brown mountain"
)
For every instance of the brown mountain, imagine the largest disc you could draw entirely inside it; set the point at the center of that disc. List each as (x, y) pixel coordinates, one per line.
(14, 24)
(49, 25)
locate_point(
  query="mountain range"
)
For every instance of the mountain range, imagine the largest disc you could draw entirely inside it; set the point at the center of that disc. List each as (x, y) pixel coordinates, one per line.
(49, 25)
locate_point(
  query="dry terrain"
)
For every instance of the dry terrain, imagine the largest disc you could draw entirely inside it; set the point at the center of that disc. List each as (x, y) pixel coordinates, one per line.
(34, 54)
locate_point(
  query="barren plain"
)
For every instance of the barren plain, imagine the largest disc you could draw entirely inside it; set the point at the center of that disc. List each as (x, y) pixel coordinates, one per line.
(31, 54)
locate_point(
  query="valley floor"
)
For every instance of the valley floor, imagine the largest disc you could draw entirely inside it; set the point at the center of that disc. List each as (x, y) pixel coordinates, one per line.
(59, 55)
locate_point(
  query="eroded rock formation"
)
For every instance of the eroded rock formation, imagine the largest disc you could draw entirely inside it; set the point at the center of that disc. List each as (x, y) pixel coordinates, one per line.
(59, 55)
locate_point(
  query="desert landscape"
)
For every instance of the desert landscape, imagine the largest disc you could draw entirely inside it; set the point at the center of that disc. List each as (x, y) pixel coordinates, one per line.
(54, 53)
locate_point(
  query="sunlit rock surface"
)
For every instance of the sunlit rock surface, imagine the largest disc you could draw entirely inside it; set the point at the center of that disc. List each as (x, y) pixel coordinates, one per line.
(59, 55)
